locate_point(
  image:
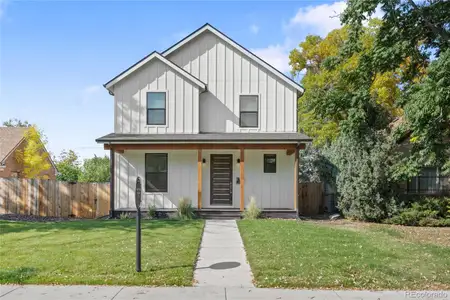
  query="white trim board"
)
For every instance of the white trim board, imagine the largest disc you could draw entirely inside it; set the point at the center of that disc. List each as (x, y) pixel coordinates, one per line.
(154, 55)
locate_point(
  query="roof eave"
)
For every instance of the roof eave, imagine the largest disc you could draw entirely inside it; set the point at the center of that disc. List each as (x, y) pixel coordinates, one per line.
(154, 55)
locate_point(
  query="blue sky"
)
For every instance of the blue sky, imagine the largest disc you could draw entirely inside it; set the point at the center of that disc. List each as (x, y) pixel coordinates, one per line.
(55, 55)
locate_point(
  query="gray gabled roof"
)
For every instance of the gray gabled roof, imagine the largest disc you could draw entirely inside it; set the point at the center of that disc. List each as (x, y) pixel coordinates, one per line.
(228, 137)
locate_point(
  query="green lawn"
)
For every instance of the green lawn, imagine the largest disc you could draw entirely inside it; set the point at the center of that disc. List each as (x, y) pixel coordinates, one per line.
(292, 254)
(98, 252)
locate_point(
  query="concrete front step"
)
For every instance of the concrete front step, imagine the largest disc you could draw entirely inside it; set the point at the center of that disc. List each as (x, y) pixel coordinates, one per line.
(219, 214)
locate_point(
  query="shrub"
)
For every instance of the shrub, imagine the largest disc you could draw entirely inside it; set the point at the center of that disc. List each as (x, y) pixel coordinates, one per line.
(364, 185)
(427, 211)
(252, 211)
(151, 213)
(124, 216)
(185, 211)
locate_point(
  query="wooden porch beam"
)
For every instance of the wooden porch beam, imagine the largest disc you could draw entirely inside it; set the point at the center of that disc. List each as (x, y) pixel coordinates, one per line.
(296, 179)
(111, 183)
(199, 178)
(242, 178)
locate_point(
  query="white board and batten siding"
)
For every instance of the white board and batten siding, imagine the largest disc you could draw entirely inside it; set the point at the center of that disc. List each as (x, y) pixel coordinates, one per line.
(229, 73)
(181, 177)
(270, 190)
(130, 98)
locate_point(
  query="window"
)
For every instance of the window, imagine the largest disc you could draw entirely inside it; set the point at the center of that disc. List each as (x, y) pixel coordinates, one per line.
(428, 182)
(248, 106)
(270, 163)
(156, 108)
(156, 172)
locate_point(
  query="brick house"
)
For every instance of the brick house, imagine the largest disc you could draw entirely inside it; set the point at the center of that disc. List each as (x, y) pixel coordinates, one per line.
(11, 140)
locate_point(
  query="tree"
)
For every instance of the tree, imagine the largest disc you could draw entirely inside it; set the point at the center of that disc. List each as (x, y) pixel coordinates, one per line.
(16, 123)
(365, 188)
(34, 157)
(414, 37)
(95, 169)
(68, 166)
(333, 93)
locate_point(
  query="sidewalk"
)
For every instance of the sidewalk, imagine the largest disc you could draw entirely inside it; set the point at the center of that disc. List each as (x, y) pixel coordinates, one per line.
(9, 292)
(222, 261)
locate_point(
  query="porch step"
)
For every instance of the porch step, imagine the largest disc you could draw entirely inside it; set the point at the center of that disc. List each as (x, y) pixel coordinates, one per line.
(280, 213)
(219, 214)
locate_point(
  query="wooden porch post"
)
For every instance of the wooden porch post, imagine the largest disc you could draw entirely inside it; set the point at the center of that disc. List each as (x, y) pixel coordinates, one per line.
(242, 176)
(199, 178)
(111, 182)
(296, 179)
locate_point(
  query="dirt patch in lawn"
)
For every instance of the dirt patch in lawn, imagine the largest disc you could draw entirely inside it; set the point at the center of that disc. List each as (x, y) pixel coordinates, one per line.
(433, 235)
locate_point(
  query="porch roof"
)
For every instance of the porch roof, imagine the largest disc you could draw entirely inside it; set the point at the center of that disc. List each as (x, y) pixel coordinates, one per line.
(226, 137)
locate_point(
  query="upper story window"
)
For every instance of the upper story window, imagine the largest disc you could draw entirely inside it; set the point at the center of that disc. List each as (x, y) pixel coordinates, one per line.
(156, 108)
(248, 107)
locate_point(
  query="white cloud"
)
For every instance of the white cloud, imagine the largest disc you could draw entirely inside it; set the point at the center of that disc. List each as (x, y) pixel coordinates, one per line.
(276, 55)
(254, 29)
(319, 19)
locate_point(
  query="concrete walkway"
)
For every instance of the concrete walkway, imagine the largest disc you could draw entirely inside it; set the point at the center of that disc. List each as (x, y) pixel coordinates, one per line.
(10, 292)
(222, 261)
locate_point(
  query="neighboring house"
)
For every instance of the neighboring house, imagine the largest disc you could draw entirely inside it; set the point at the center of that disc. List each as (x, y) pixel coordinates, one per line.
(207, 120)
(430, 181)
(11, 140)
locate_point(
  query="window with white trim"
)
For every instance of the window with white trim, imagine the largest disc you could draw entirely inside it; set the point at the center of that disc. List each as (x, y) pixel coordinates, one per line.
(248, 111)
(156, 108)
(156, 172)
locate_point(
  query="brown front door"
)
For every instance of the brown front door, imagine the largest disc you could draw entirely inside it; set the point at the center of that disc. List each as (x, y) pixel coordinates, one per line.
(221, 179)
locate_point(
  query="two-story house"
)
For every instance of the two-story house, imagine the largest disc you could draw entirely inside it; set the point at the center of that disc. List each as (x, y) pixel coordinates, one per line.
(207, 120)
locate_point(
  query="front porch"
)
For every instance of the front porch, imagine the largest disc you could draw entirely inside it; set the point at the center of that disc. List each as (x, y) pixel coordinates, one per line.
(216, 175)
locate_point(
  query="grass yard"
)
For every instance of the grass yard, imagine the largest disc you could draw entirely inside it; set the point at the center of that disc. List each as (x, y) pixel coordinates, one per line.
(292, 254)
(98, 252)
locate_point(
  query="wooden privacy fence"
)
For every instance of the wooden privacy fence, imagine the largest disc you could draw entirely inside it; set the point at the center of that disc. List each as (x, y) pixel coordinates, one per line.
(311, 200)
(53, 198)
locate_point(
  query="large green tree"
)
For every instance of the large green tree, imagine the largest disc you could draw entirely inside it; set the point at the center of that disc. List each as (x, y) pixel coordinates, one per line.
(383, 83)
(414, 37)
(333, 94)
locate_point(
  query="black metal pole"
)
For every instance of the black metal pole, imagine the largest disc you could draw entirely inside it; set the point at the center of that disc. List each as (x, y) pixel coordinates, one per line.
(138, 240)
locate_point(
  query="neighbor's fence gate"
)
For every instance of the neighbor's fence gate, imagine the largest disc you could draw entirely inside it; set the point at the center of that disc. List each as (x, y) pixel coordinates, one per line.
(53, 198)
(310, 199)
